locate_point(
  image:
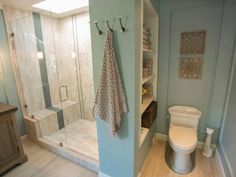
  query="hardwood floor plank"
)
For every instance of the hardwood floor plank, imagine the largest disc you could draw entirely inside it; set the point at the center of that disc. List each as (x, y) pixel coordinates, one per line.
(155, 165)
(43, 163)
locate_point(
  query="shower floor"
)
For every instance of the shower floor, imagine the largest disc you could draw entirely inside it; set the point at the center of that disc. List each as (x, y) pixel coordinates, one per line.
(79, 136)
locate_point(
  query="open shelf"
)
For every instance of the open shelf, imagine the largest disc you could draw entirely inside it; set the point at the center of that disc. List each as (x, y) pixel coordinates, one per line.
(146, 103)
(147, 79)
(147, 50)
(143, 134)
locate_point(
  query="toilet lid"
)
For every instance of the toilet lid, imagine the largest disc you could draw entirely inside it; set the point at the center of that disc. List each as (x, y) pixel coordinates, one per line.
(183, 137)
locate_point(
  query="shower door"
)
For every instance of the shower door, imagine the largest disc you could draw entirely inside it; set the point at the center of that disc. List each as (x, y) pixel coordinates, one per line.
(37, 74)
(71, 40)
(59, 43)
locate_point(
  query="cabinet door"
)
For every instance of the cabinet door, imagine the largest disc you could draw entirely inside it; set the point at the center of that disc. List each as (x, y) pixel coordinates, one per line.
(8, 142)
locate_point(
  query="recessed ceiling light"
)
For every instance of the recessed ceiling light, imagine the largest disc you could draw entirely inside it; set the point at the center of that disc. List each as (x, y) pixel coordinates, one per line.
(61, 6)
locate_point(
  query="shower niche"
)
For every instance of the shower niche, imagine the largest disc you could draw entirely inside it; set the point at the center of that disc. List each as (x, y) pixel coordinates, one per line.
(52, 60)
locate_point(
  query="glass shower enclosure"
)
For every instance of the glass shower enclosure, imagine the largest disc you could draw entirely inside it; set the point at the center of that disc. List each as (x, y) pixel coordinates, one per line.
(53, 62)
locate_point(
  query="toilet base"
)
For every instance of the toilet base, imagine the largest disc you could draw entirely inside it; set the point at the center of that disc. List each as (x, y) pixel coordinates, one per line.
(181, 163)
(169, 158)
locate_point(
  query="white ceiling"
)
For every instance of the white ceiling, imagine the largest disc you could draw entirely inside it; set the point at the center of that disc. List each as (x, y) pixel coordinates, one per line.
(21, 4)
(27, 5)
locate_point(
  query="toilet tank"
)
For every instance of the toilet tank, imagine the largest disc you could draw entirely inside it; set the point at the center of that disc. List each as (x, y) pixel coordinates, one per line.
(184, 116)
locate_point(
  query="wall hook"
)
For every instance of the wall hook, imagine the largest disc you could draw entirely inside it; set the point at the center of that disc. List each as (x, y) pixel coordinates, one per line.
(121, 25)
(109, 26)
(99, 31)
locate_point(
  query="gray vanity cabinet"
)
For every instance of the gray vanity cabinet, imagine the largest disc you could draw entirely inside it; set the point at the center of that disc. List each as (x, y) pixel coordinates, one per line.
(11, 151)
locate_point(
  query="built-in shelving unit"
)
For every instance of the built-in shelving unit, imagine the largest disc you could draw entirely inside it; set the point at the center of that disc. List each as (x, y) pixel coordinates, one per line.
(149, 22)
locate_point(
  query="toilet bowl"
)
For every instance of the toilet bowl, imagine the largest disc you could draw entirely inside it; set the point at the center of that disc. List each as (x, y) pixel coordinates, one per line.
(183, 136)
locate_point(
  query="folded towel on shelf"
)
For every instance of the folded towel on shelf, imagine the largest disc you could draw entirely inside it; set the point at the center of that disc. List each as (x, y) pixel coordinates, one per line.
(110, 102)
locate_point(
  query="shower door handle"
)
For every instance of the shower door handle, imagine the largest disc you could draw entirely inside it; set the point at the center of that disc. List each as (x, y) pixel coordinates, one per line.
(66, 91)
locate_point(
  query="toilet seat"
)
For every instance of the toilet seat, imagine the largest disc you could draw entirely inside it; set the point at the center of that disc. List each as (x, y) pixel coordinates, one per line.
(183, 138)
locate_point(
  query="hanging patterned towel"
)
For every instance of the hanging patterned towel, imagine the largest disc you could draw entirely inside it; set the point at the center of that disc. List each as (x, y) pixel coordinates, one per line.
(110, 103)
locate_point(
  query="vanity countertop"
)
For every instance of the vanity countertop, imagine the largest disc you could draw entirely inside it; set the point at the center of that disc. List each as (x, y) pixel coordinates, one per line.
(5, 108)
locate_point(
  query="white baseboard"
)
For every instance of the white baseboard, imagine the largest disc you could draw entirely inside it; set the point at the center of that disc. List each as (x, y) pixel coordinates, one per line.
(164, 137)
(23, 138)
(160, 136)
(219, 163)
(100, 174)
(227, 162)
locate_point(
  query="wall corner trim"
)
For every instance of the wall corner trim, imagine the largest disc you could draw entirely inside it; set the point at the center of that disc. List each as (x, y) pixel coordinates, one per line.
(227, 168)
(164, 137)
(220, 164)
(100, 174)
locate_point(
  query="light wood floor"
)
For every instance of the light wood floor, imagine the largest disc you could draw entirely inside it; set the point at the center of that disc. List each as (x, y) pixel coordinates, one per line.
(155, 165)
(42, 163)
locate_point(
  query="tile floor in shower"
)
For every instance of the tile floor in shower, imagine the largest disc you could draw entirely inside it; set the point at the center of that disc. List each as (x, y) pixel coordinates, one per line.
(79, 136)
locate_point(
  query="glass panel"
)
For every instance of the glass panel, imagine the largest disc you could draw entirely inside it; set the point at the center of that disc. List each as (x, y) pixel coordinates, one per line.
(35, 60)
(3, 95)
(81, 133)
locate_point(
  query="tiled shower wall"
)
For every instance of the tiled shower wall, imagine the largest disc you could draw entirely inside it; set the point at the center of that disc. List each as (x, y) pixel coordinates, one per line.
(67, 47)
(71, 54)
(85, 62)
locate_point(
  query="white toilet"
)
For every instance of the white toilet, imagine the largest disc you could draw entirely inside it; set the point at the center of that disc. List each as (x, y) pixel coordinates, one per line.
(183, 136)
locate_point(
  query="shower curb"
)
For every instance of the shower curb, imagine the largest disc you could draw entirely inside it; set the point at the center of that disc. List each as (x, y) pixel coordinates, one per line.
(80, 159)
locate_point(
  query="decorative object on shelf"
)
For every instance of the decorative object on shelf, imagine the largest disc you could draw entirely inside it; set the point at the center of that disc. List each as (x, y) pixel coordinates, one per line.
(147, 67)
(144, 91)
(110, 102)
(192, 48)
(149, 116)
(149, 88)
(146, 38)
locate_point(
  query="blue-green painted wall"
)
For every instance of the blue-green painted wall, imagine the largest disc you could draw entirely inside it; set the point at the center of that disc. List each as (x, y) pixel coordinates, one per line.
(116, 155)
(121, 156)
(11, 95)
(227, 142)
(221, 75)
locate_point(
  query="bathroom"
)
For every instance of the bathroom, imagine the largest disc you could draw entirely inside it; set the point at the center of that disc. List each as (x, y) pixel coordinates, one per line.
(65, 52)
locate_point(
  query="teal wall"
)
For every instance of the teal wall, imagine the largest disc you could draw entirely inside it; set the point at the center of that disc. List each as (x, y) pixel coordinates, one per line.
(219, 81)
(116, 155)
(121, 156)
(227, 142)
(11, 95)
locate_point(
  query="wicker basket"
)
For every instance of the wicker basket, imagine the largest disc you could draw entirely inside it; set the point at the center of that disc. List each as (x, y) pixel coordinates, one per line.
(149, 116)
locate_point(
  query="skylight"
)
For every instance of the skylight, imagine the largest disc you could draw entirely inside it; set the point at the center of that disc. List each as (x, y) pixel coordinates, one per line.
(61, 6)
